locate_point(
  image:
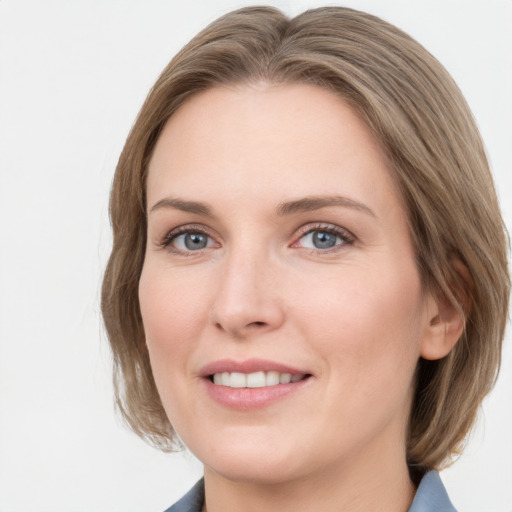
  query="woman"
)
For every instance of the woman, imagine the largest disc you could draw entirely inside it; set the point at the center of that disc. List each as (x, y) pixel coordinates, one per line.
(308, 283)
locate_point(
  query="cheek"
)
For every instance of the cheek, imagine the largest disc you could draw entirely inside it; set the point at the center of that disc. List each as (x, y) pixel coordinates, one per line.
(174, 311)
(170, 302)
(368, 337)
(368, 329)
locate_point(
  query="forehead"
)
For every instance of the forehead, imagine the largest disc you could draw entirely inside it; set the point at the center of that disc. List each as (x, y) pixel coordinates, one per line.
(267, 140)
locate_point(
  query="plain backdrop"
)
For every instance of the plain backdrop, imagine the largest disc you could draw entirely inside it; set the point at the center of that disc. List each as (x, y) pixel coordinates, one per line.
(73, 74)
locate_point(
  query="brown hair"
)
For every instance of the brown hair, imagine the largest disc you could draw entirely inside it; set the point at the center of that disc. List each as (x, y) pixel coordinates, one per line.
(416, 111)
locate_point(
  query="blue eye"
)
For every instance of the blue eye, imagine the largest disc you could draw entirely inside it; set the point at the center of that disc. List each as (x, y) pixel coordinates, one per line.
(324, 239)
(190, 241)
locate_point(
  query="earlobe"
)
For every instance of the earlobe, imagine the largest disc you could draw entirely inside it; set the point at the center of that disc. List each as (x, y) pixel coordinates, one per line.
(446, 321)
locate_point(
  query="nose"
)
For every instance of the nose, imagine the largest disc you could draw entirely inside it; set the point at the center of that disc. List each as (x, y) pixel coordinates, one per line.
(247, 301)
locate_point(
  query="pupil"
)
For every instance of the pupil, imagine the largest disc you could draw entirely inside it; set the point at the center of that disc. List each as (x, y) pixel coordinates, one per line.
(323, 240)
(194, 241)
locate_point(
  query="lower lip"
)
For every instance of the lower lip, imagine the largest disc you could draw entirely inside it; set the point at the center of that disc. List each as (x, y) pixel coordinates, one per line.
(248, 399)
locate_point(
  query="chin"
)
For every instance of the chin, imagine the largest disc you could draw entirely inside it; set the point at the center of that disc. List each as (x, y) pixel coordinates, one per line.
(250, 461)
(267, 473)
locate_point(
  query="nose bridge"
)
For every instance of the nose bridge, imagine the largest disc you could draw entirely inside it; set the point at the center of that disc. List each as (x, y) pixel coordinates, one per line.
(246, 298)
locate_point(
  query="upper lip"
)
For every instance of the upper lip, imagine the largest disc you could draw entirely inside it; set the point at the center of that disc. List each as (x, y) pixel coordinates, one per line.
(248, 366)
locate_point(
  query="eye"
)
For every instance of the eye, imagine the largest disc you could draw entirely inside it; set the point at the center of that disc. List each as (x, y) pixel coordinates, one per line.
(186, 240)
(192, 241)
(324, 238)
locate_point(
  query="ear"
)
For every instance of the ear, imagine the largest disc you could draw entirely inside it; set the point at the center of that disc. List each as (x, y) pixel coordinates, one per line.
(446, 321)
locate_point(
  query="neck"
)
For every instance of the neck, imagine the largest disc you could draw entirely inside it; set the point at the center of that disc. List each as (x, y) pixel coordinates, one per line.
(360, 487)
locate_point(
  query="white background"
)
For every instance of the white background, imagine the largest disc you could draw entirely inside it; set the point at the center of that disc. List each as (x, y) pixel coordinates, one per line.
(73, 74)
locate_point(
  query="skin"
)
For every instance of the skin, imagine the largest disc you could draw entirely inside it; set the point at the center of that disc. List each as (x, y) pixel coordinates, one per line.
(354, 316)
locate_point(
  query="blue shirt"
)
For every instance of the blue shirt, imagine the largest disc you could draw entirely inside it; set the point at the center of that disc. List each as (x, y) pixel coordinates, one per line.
(431, 496)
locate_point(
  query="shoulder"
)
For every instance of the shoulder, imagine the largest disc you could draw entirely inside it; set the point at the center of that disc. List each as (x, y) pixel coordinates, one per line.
(431, 495)
(192, 501)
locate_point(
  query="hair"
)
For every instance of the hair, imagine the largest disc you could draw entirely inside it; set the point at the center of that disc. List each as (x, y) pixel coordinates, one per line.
(413, 107)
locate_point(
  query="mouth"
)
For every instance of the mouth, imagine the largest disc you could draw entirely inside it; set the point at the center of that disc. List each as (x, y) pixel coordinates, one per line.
(252, 384)
(258, 379)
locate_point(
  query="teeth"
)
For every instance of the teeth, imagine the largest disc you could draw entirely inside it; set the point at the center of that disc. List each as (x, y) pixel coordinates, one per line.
(254, 380)
(285, 378)
(238, 380)
(272, 378)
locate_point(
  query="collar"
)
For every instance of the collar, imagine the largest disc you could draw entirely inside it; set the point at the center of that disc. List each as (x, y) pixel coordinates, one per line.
(431, 495)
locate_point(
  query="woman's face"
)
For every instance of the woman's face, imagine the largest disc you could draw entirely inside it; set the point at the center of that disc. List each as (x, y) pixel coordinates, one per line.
(279, 258)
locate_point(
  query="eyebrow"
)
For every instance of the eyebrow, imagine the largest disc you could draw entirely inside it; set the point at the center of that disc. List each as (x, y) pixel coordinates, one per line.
(184, 206)
(304, 204)
(311, 203)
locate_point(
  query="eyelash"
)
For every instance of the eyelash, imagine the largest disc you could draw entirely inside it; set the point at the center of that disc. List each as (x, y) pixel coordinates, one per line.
(172, 235)
(345, 236)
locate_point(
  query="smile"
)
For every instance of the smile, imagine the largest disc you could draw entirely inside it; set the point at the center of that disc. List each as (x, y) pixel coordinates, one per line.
(259, 379)
(252, 384)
